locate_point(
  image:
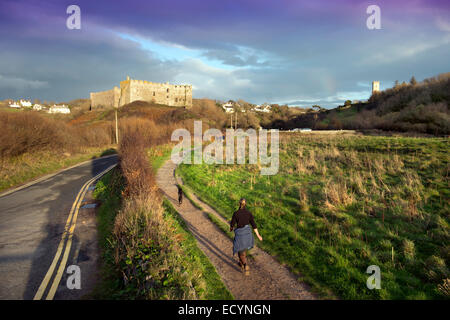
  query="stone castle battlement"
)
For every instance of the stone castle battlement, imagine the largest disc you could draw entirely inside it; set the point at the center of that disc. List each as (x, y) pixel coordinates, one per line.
(131, 90)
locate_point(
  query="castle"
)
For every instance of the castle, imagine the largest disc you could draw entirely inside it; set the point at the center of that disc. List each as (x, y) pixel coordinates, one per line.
(131, 90)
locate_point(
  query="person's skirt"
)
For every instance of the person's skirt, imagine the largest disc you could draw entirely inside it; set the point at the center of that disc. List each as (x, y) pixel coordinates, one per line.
(243, 239)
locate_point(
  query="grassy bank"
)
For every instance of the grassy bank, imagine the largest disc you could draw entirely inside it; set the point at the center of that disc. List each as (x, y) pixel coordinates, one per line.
(341, 204)
(108, 191)
(214, 289)
(20, 169)
(148, 253)
(158, 155)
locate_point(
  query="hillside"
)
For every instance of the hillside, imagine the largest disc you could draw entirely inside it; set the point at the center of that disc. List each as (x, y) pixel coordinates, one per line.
(34, 143)
(415, 107)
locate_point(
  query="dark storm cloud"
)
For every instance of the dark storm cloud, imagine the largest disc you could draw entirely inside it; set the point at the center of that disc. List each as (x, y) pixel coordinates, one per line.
(262, 51)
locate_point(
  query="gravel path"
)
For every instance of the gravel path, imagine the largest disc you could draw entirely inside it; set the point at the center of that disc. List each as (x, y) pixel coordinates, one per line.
(268, 279)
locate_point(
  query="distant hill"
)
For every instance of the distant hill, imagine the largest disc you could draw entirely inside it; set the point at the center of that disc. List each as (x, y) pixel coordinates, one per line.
(138, 109)
(415, 107)
(202, 109)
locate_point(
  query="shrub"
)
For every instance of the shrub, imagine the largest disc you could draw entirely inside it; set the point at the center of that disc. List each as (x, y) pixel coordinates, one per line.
(444, 288)
(409, 249)
(27, 132)
(147, 249)
(134, 164)
(148, 254)
(436, 269)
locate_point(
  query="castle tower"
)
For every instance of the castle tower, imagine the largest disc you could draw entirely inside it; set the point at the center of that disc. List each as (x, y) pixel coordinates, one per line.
(375, 86)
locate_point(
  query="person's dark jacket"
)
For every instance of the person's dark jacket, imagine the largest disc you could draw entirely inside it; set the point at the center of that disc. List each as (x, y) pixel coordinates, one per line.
(241, 218)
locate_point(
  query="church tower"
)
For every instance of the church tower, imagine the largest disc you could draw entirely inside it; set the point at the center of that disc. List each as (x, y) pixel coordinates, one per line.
(375, 86)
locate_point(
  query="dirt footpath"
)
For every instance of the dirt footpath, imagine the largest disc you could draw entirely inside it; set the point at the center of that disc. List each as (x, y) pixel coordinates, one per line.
(268, 279)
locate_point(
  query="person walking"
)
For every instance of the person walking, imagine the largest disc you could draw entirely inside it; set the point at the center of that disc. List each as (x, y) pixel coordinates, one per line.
(243, 236)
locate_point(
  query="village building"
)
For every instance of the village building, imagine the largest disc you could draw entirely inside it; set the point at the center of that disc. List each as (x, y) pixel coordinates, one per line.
(25, 103)
(13, 104)
(59, 109)
(37, 107)
(228, 107)
(263, 108)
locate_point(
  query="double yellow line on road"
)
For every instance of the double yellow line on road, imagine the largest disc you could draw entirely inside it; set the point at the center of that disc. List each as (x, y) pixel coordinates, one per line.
(65, 245)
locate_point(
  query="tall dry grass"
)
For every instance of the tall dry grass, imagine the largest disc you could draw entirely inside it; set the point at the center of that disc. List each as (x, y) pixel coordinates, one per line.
(134, 165)
(28, 132)
(148, 254)
(147, 247)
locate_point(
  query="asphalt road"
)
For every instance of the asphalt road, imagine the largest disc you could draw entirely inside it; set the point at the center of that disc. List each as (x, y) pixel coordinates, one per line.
(32, 221)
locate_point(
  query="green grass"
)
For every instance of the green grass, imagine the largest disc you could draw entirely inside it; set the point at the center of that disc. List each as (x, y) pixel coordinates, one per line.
(340, 204)
(215, 289)
(347, 114)
(27, 167)
(108, 190)
(158, 155)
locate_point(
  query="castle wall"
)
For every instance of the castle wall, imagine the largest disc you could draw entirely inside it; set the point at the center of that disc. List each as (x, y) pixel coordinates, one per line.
(124, 92)
(108, 99)
(162, 93)
(132, 90)
(147, 91)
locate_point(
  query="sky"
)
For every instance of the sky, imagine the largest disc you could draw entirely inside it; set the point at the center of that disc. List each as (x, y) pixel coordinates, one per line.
(282, 51)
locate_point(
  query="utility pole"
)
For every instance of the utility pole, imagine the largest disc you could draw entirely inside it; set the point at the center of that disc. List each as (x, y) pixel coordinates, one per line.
(235, 120)
(117, 128)
(231, 121)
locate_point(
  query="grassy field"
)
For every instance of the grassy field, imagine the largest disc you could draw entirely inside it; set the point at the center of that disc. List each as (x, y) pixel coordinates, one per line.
(17, 170)
(342, 203)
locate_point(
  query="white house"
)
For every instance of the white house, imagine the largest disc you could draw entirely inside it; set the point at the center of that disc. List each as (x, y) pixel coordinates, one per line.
(228, 107)
(265, 108)
(13, 104)
(25, 103)
(301, 130)
(59, 109)
(37, 107)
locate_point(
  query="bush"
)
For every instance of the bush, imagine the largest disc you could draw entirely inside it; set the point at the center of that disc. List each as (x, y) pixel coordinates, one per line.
(148, 254)
(436, 269)
(444, 288)
(26, 132)
(208, 110)
(409, 250)
(147, 250)
(134, 164)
